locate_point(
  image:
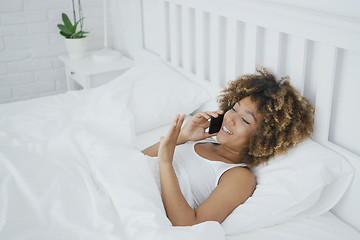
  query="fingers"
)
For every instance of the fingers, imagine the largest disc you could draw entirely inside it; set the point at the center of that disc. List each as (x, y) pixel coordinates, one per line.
(175, 127)
(213, 134)
(179, 120)
(209, 114)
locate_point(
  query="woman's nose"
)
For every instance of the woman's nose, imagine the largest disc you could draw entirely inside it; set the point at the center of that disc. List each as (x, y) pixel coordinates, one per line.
(230, 120)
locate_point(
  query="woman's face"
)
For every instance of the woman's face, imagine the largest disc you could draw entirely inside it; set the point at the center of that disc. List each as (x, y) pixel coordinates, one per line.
(240, 124)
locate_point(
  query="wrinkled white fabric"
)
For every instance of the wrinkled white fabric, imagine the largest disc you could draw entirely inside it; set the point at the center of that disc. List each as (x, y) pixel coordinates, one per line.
(68, 170)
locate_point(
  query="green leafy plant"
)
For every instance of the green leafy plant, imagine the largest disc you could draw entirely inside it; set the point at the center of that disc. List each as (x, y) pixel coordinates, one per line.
(69, 30)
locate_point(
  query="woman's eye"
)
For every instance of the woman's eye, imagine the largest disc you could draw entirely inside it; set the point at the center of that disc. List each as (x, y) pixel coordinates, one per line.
(245, 121)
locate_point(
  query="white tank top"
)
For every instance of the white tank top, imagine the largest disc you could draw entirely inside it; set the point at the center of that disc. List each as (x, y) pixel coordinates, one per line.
(197, 173)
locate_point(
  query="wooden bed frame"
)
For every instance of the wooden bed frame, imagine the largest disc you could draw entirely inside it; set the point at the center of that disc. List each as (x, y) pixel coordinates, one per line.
(217, 40)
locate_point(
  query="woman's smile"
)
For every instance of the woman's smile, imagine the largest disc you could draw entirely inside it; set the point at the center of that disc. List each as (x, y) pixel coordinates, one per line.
(226, 130)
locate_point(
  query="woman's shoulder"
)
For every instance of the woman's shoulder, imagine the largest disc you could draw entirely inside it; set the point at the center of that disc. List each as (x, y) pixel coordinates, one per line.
(238, 176)
(236, 185)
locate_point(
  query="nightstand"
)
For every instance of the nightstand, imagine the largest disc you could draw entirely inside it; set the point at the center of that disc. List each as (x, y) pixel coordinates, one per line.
(86, 73)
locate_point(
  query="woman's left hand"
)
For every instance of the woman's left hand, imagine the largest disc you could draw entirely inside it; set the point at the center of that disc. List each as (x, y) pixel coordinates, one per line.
(168, 143)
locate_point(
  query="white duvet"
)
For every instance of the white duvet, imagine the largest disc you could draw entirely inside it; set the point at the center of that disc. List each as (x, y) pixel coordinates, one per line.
(68, 170)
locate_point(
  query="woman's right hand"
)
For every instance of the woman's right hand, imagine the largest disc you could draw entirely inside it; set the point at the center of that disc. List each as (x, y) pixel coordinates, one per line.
(194, 129)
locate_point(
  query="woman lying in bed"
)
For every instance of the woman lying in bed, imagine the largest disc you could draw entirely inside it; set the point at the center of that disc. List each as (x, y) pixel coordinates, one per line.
(263, 118)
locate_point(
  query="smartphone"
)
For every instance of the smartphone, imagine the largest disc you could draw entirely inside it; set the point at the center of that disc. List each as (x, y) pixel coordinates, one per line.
(215, 124)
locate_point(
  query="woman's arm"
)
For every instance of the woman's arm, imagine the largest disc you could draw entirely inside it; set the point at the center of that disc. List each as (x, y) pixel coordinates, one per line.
(152, 151)
(177, 209)
(193, 130)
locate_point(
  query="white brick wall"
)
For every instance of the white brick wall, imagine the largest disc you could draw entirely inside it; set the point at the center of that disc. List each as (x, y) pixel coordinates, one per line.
(30, 43)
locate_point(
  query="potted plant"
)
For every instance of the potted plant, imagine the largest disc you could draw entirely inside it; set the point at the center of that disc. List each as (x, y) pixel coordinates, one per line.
(75, 37)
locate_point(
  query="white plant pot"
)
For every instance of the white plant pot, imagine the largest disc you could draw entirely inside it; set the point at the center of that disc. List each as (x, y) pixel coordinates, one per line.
(76, 47)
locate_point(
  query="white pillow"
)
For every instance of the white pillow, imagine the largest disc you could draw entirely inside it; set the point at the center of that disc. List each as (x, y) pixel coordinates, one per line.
(105, 110)
(211, 104)
(159, 93)
(308, 181)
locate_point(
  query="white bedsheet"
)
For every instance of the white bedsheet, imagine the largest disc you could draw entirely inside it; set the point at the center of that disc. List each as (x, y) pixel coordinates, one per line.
(68, 170)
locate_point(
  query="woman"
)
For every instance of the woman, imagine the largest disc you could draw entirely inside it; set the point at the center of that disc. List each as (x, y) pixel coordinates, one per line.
(263, 118)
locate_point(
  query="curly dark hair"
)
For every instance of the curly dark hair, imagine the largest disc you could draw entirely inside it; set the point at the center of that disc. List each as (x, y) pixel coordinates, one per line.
(288, 118)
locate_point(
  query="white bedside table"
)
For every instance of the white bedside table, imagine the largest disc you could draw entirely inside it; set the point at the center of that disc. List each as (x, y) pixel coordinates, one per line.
(87, 73)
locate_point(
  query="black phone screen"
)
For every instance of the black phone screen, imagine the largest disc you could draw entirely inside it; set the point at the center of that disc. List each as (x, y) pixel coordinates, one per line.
(215, 124)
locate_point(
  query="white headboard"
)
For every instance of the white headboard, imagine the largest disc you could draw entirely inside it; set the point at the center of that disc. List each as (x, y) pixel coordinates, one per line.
(219, 40)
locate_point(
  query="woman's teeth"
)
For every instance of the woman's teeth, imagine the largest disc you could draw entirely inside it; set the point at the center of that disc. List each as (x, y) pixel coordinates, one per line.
(227, 130)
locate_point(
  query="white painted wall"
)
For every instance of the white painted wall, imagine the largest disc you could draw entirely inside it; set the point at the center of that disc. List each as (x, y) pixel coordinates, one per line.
(30, 44)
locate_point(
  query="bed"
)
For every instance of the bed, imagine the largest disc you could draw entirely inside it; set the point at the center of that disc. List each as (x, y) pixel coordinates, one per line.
(71, 166)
